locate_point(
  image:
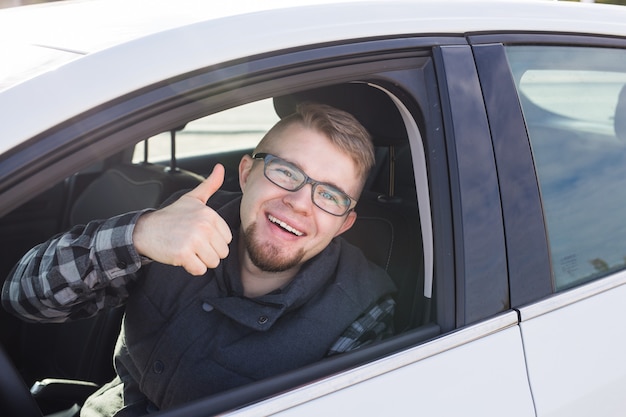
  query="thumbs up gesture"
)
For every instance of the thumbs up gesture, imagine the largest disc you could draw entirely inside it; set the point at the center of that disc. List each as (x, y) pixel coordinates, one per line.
(186, 233)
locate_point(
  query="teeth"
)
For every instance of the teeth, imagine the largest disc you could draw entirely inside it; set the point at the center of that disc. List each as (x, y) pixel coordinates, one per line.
(284, 226)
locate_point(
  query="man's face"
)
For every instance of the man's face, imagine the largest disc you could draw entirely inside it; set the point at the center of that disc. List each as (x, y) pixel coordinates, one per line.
(282, 229)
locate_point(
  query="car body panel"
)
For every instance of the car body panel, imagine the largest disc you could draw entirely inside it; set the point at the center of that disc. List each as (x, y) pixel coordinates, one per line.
(291, 28)
(528, 261)
(559, 335)
(493, 380)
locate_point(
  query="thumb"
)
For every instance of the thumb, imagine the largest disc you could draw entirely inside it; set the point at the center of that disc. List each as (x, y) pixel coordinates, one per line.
(209, 186)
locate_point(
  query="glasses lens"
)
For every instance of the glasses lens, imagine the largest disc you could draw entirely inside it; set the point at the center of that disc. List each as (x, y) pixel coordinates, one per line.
(330, 199)
(284, 174)
(291, 178)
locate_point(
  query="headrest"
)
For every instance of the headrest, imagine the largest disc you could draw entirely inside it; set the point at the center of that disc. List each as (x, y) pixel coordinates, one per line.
(620, 115)
(369, 105)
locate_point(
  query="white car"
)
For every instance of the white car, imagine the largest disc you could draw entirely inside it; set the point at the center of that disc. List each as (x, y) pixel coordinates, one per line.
(497, 203)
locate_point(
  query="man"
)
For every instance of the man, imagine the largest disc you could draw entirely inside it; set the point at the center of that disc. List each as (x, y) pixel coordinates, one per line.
(222, 289)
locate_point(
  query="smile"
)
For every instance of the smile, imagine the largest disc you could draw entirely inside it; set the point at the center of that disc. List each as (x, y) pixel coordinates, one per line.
(284, 225)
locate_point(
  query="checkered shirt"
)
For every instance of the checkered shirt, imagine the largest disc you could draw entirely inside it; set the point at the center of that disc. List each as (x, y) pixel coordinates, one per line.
(79, 273)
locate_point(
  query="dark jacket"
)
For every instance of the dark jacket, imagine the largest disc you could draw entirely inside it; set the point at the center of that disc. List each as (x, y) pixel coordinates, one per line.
(186, 337)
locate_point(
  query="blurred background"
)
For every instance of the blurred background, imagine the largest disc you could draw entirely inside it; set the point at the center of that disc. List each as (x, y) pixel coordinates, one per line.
(15, 3)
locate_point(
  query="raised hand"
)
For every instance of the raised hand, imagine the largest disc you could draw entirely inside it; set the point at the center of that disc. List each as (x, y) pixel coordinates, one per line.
(186, 233)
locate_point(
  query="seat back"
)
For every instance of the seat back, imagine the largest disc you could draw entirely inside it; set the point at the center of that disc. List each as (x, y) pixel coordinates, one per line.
(389, 234)
(83, 349)
(127, 187)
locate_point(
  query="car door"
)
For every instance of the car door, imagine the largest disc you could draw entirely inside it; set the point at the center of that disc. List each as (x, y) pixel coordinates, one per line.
(571, 296)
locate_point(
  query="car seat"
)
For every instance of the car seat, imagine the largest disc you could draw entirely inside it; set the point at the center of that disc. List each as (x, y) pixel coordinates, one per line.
(83, 349)
(127, 187)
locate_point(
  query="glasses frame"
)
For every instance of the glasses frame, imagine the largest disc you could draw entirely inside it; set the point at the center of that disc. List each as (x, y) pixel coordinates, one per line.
(267, 157)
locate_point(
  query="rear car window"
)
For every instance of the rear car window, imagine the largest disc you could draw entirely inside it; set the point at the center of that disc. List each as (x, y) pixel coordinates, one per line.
(574, 104)
(230, 130)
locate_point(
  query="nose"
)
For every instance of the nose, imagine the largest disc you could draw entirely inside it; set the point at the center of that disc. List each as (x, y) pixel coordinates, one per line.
(300, 200)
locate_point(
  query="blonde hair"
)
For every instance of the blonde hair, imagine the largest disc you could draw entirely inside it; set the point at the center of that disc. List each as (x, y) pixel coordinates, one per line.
(340, 127)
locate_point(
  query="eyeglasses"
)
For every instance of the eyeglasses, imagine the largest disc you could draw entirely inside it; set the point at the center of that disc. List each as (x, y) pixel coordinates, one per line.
(291, 178)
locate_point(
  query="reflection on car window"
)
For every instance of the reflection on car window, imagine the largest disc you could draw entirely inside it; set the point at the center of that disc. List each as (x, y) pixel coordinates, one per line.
(233, 129)
(571, 102)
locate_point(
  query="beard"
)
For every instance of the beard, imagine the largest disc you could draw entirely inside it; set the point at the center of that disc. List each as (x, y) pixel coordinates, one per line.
(267, 256)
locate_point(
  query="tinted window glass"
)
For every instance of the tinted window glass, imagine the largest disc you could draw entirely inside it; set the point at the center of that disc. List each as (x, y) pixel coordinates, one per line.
(574, 104)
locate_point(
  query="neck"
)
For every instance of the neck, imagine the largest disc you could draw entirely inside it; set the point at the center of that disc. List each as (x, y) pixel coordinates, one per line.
(257, 282)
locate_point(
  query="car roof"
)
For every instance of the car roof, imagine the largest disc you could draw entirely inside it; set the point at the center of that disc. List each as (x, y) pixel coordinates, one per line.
(63, 58)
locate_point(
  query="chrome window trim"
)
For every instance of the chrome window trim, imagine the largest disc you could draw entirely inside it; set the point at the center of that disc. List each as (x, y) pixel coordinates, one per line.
(569, 297)
(382, 366)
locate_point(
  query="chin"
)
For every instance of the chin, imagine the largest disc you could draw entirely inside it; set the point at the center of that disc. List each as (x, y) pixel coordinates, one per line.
(267, 256)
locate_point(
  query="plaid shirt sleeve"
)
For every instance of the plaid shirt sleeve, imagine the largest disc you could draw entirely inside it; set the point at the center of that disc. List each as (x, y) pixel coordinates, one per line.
(75, 274)
(373, 325)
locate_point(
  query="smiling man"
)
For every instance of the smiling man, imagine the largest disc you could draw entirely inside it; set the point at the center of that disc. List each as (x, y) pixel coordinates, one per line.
(223, 289)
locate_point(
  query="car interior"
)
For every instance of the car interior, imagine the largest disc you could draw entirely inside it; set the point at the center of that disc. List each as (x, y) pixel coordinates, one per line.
(70, 360)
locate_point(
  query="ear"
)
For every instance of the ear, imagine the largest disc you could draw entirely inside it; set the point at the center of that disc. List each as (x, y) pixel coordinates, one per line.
(245, 166)
(347, 223)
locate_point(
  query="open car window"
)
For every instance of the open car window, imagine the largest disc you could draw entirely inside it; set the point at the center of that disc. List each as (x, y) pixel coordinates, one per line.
(388, 211)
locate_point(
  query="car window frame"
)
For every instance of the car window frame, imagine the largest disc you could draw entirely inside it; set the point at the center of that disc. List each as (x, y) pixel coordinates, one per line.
(481, 276)
(529, 261)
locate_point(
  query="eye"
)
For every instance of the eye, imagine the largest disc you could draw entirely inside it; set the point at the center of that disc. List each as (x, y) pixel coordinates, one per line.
(330, 196)
(285, 172)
